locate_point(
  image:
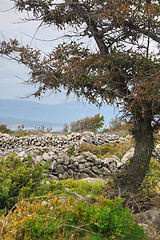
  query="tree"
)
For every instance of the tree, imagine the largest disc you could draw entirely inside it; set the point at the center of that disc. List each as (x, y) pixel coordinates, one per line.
(119, 124)
(122, 70)
(87, 124)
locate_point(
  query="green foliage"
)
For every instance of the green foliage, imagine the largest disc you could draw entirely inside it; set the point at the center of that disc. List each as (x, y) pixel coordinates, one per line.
(107, 149)
(71, 150)
(21, 134)
(57, 218)
(152, 178)
(4, 129)
(79, 186)
(18, 179)
(88, 124)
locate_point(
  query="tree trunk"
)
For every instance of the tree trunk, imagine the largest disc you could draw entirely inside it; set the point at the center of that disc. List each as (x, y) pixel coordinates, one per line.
(135, 171)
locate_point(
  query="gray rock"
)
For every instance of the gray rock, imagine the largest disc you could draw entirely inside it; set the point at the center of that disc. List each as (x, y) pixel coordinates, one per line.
(105, 171)
(76, 164)
(21, 154)
(151, 216)
(59, 169)
(46, 157)
(38, 159)
(95, 170)
(113, 167)
(93, 180)
(60, 176)
(90, 199)
(128, 155)
(81, 166)
(53, 165)
(53, 147)
(70, 173)
(77, 196)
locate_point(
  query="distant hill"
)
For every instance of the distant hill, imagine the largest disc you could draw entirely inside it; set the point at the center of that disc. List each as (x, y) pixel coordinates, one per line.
(13, 123)
(31, 114)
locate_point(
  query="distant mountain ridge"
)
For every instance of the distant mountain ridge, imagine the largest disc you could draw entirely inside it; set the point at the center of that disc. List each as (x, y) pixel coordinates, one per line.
(16, 111)
(13, 123)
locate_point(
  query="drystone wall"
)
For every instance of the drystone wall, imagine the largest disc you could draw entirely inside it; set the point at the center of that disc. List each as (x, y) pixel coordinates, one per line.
(56, 143)
(53, 148)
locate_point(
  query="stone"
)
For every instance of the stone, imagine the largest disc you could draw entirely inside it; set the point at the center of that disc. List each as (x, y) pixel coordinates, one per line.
(95, 170)
(46, 157)
(77, 196)
(60, 176)
(63, 156)
(151, 217)
(53, 165)
(44, 203)
(38, 159)
(81, 166)
(128, 155)
(70, 172)
(53, 147)
(93, 180)
(76, 164)
(113, 167)
(21, 154)
(59, 169)
(65, 175)
(105, 171)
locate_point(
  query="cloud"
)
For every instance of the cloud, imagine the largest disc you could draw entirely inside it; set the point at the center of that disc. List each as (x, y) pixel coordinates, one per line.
(13, 27)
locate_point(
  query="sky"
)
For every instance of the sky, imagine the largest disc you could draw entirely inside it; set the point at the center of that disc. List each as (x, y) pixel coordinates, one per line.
(13, 74)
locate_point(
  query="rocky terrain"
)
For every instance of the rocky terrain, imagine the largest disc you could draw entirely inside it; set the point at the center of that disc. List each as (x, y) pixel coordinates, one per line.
(54, 147)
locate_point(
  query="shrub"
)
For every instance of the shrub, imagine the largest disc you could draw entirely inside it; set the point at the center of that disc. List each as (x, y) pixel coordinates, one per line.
(56, 218)
(18, 179)
(107, 149)
(87, 124)
(71, 151)
(119, 126)
(4, 129)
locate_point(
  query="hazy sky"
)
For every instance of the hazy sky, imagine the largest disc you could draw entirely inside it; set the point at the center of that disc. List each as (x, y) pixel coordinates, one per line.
(11, 26)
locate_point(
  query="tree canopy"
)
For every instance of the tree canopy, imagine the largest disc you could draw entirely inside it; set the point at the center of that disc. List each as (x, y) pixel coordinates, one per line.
(123, 69)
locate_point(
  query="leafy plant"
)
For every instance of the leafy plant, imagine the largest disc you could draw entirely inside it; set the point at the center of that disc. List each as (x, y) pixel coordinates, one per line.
(57, 218)
(4, 129)
(71, 151)
(19, 179)
(87, 124)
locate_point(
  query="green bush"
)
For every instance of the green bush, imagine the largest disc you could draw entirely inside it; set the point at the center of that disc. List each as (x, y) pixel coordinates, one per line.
(19, 179)
(107, 149)
(56, 218)
(4, 129)
(71, 151)
(87, 124)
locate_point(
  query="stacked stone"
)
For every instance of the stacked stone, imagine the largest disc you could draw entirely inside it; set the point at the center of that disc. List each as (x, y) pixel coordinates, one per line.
(56, 143)
(83, 166)
(156, 153)
(53, 148)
